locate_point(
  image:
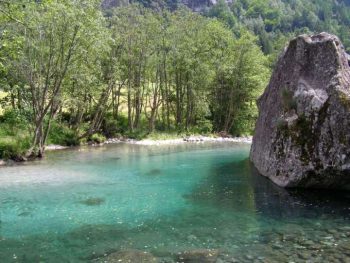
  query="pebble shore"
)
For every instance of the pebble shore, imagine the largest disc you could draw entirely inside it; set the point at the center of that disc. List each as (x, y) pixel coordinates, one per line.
(190, 139)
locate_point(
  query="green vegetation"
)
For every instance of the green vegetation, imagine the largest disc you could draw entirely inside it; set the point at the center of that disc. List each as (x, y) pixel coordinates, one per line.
(97, 138)
(71, 72)
(275, 22)
(14, 135)
(78, 76)
(344, 99)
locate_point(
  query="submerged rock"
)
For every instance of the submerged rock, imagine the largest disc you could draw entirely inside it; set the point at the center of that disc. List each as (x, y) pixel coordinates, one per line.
(130, 256)
(302, 135)
(198, 255)
(93, 201)
(154, 172)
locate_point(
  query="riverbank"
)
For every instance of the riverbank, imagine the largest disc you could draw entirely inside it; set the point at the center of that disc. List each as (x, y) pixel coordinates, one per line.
(189, 139)
(148, 142)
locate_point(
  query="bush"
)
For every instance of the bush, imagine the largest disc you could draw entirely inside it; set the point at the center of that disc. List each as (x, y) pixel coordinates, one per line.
(13, 147)
(60, 134)
(97, 138)
(14, 122)
(204, 127)
(15, 139)
(15, 117)
(112, 127)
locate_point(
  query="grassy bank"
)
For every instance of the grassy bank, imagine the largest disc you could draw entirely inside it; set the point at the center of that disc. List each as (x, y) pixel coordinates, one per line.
(15, 146)
(16, 133)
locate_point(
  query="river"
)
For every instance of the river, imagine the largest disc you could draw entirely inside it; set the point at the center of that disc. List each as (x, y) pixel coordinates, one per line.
(82, 204)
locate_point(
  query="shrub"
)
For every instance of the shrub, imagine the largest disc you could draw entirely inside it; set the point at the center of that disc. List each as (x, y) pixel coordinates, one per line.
(122, 124)
(110, 127)
(14, 134)
(97, 138)
(14, 122)
(204, 127)
(60, 134)
(13, 147)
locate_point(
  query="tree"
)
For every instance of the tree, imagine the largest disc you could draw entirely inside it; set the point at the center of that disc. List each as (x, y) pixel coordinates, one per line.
(56, 35)
(237, 86)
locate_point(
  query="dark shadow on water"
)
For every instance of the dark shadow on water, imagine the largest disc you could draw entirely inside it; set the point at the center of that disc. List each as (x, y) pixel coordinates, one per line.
(237, 186)
(23, 214)
(154, 172)
(114, 158)
(308, 203)
(93, 201)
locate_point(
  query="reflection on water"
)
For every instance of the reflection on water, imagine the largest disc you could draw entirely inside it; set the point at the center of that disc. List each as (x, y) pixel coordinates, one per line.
(191, 203)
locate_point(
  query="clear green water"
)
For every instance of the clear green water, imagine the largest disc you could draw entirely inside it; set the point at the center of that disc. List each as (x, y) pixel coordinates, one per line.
(78, 206)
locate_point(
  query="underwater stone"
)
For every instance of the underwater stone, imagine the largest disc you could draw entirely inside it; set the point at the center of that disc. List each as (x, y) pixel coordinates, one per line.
(198, 255)
(93, 201)
(130, 256)
(302, 135)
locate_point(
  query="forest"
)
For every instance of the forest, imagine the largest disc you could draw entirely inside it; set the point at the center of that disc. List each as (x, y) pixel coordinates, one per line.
(74, 72)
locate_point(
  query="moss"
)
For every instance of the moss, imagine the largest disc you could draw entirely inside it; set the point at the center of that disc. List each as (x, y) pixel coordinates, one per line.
(282, 125)
(288, 100)
(282, 136)
(344, 99)
(302, 135)
(342, 138)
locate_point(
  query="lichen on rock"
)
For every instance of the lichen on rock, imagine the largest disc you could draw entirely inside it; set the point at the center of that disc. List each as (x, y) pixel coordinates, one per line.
(302, 135)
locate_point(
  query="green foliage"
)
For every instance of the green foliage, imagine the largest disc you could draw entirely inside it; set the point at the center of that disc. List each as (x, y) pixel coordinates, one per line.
(271, 20)
(14, 147)
(15, 121)
(14, 134)
(97, 138)
(203, 127)
(61, 134)
(222, 11)
(69, 72)
(239, 82)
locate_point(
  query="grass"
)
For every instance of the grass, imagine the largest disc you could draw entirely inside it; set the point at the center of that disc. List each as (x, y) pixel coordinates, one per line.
(13, 147)
(15, 139)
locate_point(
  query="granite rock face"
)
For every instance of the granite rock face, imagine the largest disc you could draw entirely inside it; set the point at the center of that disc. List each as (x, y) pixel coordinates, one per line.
(302, 135)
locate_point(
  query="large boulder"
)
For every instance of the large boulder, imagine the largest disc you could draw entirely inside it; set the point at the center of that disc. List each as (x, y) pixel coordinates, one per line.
(302, 135)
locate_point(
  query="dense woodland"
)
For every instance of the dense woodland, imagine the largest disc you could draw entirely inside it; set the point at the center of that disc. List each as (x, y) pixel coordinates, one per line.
(78, 71)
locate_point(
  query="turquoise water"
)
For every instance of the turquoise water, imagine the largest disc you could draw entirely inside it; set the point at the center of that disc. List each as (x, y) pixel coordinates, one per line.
(82, 205)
